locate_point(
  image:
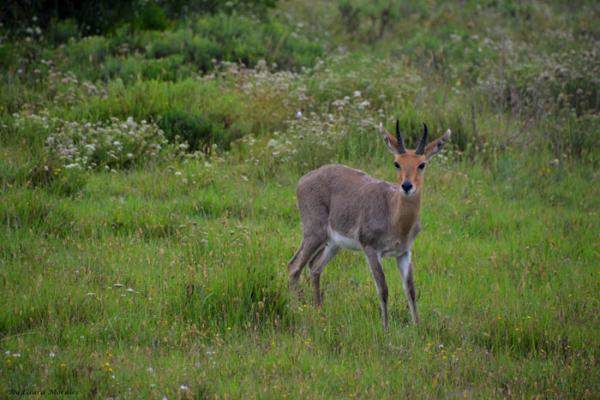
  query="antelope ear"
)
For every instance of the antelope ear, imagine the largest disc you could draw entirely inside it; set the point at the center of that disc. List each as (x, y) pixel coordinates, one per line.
(437, 145)
(389, 140)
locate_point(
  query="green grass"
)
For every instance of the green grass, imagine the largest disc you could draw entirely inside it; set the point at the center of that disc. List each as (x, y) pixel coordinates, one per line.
(507, 278)
(165, 274)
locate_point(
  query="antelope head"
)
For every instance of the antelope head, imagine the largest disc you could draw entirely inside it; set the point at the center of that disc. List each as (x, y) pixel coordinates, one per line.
(410, 164)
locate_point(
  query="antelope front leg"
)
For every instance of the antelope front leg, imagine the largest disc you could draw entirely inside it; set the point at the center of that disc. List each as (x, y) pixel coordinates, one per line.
(405, 266)
(379, 277)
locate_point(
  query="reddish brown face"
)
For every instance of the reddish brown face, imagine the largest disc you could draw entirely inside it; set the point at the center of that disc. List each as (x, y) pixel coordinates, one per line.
(411, 164)
(410, 168)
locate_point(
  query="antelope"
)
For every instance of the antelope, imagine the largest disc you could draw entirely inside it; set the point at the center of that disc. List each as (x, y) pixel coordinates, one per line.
(344, 208)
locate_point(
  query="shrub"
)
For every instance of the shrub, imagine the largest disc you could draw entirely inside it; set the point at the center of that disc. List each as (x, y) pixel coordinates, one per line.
(217, 108)
(114, 144)
(198, 132)
(7, 56)
(244, 39)
(61, 31)
(151, 17)
(135, 68)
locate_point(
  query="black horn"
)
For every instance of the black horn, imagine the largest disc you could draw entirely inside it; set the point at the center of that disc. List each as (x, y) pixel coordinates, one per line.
(421, 147)
(401, 148)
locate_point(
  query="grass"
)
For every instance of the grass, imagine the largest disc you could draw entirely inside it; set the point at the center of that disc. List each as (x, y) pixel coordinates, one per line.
(135, 273)
(507, 285)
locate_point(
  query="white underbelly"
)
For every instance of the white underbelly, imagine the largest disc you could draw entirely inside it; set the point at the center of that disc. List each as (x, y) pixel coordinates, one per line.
(345, 242)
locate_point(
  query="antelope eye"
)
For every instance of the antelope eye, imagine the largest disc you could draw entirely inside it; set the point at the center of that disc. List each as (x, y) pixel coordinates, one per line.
(422, 166)
(396, 165)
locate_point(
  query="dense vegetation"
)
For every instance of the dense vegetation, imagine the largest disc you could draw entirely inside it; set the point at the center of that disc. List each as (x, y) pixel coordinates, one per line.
(148, 169)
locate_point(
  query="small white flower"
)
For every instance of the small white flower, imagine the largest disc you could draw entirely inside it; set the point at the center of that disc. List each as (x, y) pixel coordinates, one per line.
(357, 93)
(299, 114)
(52, 355)
(184, 388)
(177, 173)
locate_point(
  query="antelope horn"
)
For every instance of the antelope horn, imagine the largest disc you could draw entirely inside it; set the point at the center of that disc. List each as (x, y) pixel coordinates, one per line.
(421, 147)
(399, 139)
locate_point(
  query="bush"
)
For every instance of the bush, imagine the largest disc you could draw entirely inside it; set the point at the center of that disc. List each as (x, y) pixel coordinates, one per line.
(151, 17)
(132, 69)
(108, 145)
(112, 145)
(177, 106)
(61, 31)
(198, 132)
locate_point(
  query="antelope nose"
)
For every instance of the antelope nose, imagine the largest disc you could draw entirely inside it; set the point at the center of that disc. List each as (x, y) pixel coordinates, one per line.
(406, 186)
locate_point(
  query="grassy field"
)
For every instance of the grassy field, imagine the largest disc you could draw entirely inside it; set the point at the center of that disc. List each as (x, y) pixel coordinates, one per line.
(149, 259)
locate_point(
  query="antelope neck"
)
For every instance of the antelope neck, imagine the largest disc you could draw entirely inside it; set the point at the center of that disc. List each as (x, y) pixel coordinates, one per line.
(405, 212)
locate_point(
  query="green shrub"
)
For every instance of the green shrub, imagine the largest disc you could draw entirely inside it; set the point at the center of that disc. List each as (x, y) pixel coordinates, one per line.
(61, 31)
(115, 144)
(193, 128)
(151, 17)
(244, 39)
(8, 56)
(217, 108)
(131, 69)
